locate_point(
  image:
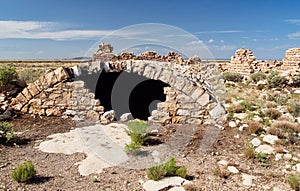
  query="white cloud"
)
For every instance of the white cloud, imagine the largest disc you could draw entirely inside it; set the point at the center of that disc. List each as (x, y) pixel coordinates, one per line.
(222, 41)
(224, 47)
(48, 30)
(210, 41)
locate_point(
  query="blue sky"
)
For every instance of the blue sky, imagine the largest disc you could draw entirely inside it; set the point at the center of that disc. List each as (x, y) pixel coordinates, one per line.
(35, 29)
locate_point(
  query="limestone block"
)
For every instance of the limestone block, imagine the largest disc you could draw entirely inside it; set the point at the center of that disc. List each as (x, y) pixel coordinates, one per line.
(197, 93)
(21, 99)
(53, 111)
(148, 72)
(33, 89)
(27, 94)
(188, 88)
(165, 75)
(138, 67)
(179, 83)
(61, 74)
(204, 99)
(93, 115)
(50, 79)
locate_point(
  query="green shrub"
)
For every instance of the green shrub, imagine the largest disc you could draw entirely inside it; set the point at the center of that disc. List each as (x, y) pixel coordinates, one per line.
(137, 130)
(294, 181)
(169, 168)
(275, 80)
(156, 172)
(24, 172)
(258, 76)
(6, 130)
(181, 171)
(7, 74)
(233, 77)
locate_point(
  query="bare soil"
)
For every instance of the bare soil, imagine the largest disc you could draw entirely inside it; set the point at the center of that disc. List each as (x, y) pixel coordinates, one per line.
(59, 172)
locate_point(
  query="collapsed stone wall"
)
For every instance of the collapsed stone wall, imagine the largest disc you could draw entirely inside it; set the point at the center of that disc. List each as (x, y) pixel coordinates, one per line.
(189, 99)
(245, 63)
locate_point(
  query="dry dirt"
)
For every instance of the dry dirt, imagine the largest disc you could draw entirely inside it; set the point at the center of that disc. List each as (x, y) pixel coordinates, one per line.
(59, 172)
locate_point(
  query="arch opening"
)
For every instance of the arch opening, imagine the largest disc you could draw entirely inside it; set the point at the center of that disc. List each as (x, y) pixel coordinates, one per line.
(129, 93)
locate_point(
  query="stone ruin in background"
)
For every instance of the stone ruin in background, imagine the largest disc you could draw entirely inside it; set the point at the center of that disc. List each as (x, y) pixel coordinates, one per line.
(245, 63)
(190, 98)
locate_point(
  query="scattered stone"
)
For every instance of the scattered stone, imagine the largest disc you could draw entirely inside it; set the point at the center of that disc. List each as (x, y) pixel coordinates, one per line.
(297, 167)
(107, 117)
(232, 124)
(287, 156)
(247, 179)
(278, 156)
(297, 92)
(271, 139)
(266, 149)
(255, 142)
(223, 162)
(152, 185)
(232, 169)
(126, 117)
(240, 116)
(177, 189)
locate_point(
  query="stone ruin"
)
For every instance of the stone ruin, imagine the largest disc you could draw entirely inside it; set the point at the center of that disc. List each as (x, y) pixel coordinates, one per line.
(245, 63)
(190, 97)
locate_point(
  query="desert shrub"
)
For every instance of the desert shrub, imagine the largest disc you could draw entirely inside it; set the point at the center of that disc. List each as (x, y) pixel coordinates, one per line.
(273, 113)
(258, 76)
(255, 127)
(275, 80)
(271, 104)
(250, 153)
(294, 181)
(294, 109)
(191, 187)
(236, 108)
(248, 105)
(6, 130)
(137, 130)
(296, 80)
(7, 74)
(233, 77)
(169, 168)
(30, 75)
(283, 129)
(24, 172)
(221, 172)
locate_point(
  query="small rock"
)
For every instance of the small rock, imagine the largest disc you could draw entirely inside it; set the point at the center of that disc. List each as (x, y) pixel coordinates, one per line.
(297, 167)
(278, 156)
(232, 124)
(177, 189)
(271, 139)
(255, 142)
(247, 179)
(240, 116)
(237, 136)
(287, 156)
(126, 117)
(232, 169)
(152, 185)
(241, 128)
(297, 91)
(223, 162)
(266, 149)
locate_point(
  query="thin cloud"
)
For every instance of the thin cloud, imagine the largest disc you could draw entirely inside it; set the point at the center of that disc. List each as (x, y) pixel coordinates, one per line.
(293, 21)
(48, 30)
(294, 36)
(218, 32)
(210, 41)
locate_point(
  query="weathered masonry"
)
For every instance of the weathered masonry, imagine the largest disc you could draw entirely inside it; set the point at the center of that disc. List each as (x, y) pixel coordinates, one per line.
(185, 95)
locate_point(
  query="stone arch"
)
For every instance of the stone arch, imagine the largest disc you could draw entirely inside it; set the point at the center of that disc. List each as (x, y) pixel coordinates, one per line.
(188, 99)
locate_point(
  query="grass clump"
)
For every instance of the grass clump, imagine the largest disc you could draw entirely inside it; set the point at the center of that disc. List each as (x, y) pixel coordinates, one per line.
(275, 80)
(7, 74)
(255, 127)
(233, 77)
(251, 154)
(294, 181)
(294, 109)
(258, 76)
(24, 172)
(6, 131)
(30, 75)
(169, 168)
(137, 130)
